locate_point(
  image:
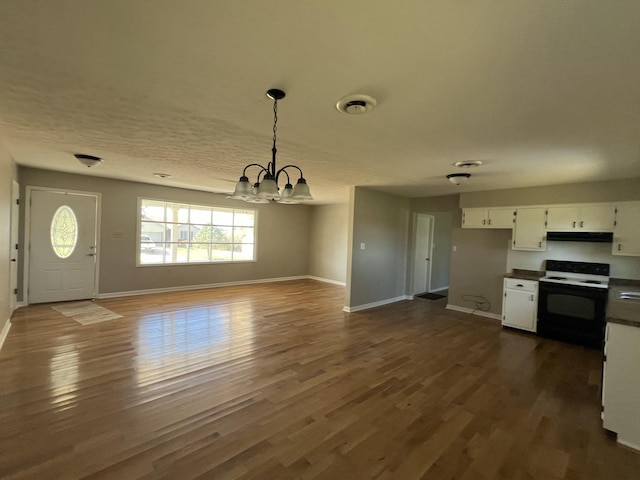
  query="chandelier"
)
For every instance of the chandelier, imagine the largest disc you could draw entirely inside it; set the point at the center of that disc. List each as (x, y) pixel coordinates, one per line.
(265, 188)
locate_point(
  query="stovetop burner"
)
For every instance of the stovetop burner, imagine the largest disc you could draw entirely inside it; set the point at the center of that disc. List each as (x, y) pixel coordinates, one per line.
(577, 273)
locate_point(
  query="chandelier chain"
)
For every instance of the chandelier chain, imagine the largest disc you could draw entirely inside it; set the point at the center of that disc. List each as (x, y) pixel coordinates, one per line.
(275, 121)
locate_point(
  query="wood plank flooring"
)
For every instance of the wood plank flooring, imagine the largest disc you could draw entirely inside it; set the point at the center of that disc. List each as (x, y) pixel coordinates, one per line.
(274, 381)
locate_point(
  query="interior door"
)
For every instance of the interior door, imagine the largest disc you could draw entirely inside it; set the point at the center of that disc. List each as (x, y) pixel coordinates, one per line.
(422, 254)
(62, 246)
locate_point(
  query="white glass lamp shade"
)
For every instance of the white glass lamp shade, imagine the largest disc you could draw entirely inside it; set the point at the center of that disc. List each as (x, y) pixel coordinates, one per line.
(268, 189)
(243, 190)
(287, 195)
(301, 190)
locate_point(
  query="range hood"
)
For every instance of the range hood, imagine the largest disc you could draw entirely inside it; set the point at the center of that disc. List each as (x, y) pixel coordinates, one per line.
(598, 237)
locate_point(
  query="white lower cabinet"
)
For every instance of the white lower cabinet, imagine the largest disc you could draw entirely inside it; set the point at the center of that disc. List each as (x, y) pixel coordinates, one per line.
(621, 383)
(520, 304)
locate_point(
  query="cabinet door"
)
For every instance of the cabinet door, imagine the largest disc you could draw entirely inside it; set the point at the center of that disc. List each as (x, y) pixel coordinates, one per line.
(474, 218)
(597, 218)
(519, 309)
(626, 233)
(562, 218)
(501, 217)
(621, 385)
(529, 229)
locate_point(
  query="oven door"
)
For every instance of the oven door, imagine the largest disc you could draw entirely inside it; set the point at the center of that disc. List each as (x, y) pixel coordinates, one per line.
(572, 313)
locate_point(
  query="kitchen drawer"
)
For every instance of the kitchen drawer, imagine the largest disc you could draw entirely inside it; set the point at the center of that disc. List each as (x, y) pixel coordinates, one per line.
(524, 285)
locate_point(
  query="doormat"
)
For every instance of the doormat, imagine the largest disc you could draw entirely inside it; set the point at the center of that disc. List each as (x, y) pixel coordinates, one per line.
(86, 312)
(431, 296)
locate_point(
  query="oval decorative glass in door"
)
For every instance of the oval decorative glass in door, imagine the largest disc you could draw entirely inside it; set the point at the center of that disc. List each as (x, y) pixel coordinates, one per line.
(64, 231)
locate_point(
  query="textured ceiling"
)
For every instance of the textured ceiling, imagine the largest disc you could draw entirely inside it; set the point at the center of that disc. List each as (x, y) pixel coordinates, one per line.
(542, 92)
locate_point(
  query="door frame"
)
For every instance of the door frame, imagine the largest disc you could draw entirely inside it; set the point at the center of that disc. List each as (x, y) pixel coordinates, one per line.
(27, 233)
(14, 240)
(415, 247)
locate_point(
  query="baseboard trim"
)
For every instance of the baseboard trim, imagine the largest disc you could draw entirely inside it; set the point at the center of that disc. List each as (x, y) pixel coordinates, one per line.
(629, 445)
(438, 289)
(5, 332)
(472, 311)
(380, 303)
(132, 293)
(327, 280)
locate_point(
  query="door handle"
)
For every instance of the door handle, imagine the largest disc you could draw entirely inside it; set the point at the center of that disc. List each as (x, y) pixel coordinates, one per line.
(427, 259)
(91, 254)
(13, 260)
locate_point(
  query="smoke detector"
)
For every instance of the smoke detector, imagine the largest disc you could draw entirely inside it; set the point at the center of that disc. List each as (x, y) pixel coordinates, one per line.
(356, 104)
(468, 164)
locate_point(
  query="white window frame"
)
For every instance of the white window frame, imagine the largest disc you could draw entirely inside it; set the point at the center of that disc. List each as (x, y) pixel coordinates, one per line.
(140, 221)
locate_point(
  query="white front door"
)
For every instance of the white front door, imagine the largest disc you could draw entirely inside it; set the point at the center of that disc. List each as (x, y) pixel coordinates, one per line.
(422, 254)
(62, 246)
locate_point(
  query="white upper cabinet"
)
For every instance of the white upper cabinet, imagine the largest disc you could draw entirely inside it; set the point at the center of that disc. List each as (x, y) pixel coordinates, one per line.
(588, 218)
(626, 233)
(529, 232)
(488, 217)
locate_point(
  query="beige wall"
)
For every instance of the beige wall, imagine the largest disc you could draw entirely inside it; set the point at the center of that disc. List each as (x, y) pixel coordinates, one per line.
(477, 267)
(328, 244)
(8, 173)
(609, 191)
(381, 222)
(282, 248)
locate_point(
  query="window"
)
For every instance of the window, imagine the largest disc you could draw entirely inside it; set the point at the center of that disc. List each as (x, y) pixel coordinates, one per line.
(64, 232)
(173, 233)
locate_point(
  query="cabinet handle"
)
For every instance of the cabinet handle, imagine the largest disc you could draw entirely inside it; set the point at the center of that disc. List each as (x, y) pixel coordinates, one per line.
(574, 224)
(484, 222)
(489, 221)
(619, 247)
(520, 285)
(581, 224)
(540, 244)
(532, 298)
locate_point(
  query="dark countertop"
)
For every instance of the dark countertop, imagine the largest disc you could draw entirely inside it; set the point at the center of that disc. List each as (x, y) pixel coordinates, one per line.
(625, 312)
(525, 274)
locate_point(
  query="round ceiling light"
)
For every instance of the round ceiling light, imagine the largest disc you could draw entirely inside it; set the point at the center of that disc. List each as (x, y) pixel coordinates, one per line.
(88, 160)
(468, 164)
(458, 178)
(356, 104)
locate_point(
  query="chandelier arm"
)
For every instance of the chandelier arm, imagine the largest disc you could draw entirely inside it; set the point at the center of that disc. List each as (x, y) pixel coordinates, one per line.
(244, 172)
(283, 169)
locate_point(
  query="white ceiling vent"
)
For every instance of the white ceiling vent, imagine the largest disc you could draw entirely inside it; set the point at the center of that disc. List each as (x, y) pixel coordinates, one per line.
(356, 104)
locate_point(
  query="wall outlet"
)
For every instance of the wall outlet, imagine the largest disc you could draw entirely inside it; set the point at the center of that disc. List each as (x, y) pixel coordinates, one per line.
(362, 246)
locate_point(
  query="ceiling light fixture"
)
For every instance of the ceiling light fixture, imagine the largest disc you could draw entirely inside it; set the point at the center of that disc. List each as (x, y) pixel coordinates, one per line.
(458, 178)
(266, 186)
(162, 175)
(88, 160)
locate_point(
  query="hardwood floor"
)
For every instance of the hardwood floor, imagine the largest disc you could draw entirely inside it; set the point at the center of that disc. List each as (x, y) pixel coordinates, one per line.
(275, 381)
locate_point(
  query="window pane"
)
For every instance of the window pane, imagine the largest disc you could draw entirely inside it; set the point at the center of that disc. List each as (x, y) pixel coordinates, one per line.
(223, 217)
(243, 252)
(244, 218)
(221, 252)
(243, 235)
(152, 210)
(64, 231)
(177, 212)
(201, 215)
(198, 252)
